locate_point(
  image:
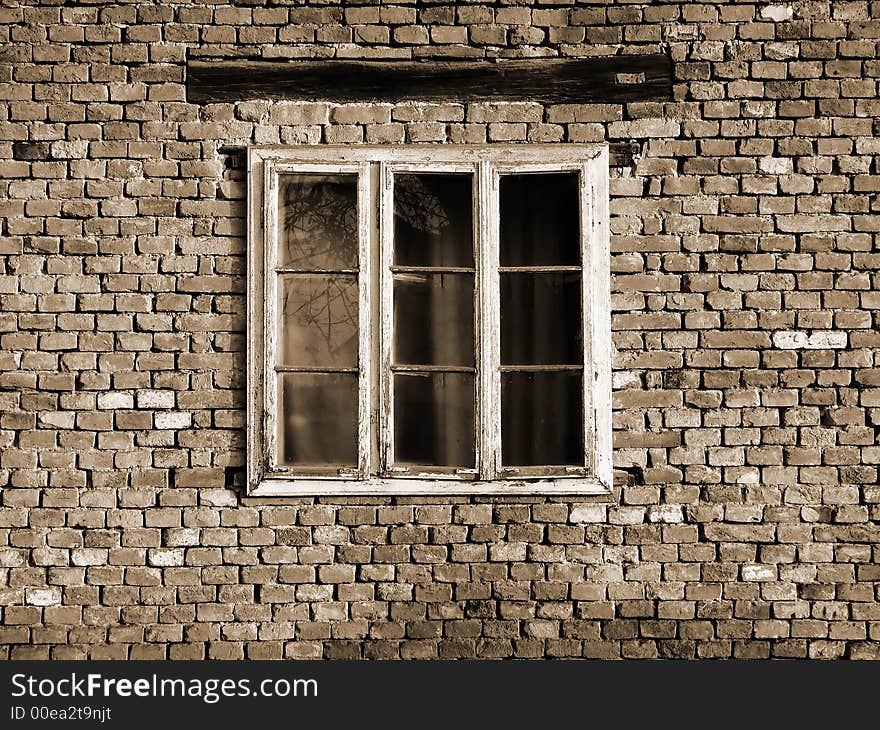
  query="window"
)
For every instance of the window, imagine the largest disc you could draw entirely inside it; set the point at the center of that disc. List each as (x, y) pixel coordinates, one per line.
(428, 319)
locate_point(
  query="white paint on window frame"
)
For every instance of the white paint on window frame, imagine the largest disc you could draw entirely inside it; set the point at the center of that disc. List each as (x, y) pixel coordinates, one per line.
(375, 166)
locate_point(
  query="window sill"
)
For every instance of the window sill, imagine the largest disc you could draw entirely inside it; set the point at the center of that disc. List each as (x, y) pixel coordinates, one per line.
(582, 486)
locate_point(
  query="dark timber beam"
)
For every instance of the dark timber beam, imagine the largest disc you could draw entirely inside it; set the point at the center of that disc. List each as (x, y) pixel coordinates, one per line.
(606, 79)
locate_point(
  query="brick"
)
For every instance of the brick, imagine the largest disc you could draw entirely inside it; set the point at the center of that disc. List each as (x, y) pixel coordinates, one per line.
(643, 128)
(777, 13)
(812, 341)
(114, 400)
(508, 112)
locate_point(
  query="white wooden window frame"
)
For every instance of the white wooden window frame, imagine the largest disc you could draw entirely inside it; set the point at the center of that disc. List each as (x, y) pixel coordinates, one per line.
(376, 473)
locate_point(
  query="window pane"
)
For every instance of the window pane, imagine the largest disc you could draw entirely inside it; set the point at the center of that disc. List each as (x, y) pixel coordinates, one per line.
(434, 319)
(434, 419)
(540, 220)
(317, 222)
(319, 420)
(541, 319)
(433, 219)
(542, 419)
(318, 321)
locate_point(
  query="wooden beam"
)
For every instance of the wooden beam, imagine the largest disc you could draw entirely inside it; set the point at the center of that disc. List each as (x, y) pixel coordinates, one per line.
(606, 79)
(620, 154)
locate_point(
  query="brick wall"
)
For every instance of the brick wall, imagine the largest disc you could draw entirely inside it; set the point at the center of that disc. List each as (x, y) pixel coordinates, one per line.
(747, 394)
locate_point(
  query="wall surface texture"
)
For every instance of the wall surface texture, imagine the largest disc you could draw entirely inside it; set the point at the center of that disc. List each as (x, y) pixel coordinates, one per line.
(746, 298)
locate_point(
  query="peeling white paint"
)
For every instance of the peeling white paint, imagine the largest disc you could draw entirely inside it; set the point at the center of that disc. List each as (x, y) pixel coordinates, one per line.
(826, 340)
(155, 399)
(114, 399)
(58, 419)
(749, 477)
(777, 13)
(759, 573)
(11, 558)
(173, 420)
(795, 340)
(775, 165)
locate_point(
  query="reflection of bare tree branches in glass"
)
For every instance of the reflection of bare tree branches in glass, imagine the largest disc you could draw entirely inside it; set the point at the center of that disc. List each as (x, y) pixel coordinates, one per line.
(433, 222)
(319, 232)
(417, 205)
(325, 306)
(320, 221)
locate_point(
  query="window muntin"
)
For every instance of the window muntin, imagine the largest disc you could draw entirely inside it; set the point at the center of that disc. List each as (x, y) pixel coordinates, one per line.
(489, 310)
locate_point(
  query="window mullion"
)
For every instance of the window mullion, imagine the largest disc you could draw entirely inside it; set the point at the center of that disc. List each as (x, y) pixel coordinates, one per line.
(489, 391)
(270, 321)
(587, 263)
(386, 306)
(365, 329)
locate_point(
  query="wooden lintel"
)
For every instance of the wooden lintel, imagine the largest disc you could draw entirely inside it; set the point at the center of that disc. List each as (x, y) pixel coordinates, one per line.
(604, 79)
(620, 154)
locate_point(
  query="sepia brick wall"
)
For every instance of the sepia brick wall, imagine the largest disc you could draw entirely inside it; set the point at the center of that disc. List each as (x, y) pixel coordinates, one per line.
(746, 299)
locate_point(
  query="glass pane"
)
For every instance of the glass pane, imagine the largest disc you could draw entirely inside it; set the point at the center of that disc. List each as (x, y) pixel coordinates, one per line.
(318, 321)
(317, 221)
(434, 319)
(319, 420)
(542, 419)
(541, 319)
(540, 220)
(433, 219)
(434, 419)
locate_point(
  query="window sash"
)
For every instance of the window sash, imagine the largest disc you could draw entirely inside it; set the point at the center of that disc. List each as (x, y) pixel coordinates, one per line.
(389, 467)
(376, 472)
(495, 172)
(271, 373)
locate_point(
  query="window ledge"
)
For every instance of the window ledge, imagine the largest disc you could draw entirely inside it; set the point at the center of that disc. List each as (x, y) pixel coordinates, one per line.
(583, 486)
